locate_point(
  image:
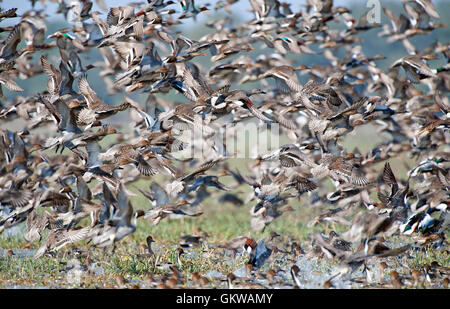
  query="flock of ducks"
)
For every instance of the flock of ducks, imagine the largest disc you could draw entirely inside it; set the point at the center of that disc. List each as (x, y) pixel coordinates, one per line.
(407, 104)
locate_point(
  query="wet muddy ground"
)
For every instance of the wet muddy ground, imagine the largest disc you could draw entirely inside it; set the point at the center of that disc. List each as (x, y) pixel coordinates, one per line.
(82, 266)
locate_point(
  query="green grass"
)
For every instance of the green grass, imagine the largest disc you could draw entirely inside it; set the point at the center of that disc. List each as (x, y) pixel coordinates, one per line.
(28, 272)
(421, 259)
(221, 221)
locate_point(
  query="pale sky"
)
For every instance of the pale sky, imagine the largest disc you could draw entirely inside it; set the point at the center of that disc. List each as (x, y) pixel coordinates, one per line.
(241, 6)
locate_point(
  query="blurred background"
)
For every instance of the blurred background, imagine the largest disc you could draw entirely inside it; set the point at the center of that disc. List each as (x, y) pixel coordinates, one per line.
(372, 44)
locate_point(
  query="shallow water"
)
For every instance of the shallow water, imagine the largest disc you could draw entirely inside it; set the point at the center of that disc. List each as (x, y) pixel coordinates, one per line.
(214, 274)
(21, 287)
(312, 275)
(96, 269)
(240, 272)
(14, 231)
(18, 253)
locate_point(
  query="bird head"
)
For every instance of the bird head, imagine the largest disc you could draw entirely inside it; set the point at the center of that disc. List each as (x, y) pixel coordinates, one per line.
(149, 240)
(140, 213)
(249, 245)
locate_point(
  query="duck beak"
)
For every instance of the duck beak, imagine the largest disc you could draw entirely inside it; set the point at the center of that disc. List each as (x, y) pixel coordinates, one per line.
(271, 154)
(301, 67)
(429, 57)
